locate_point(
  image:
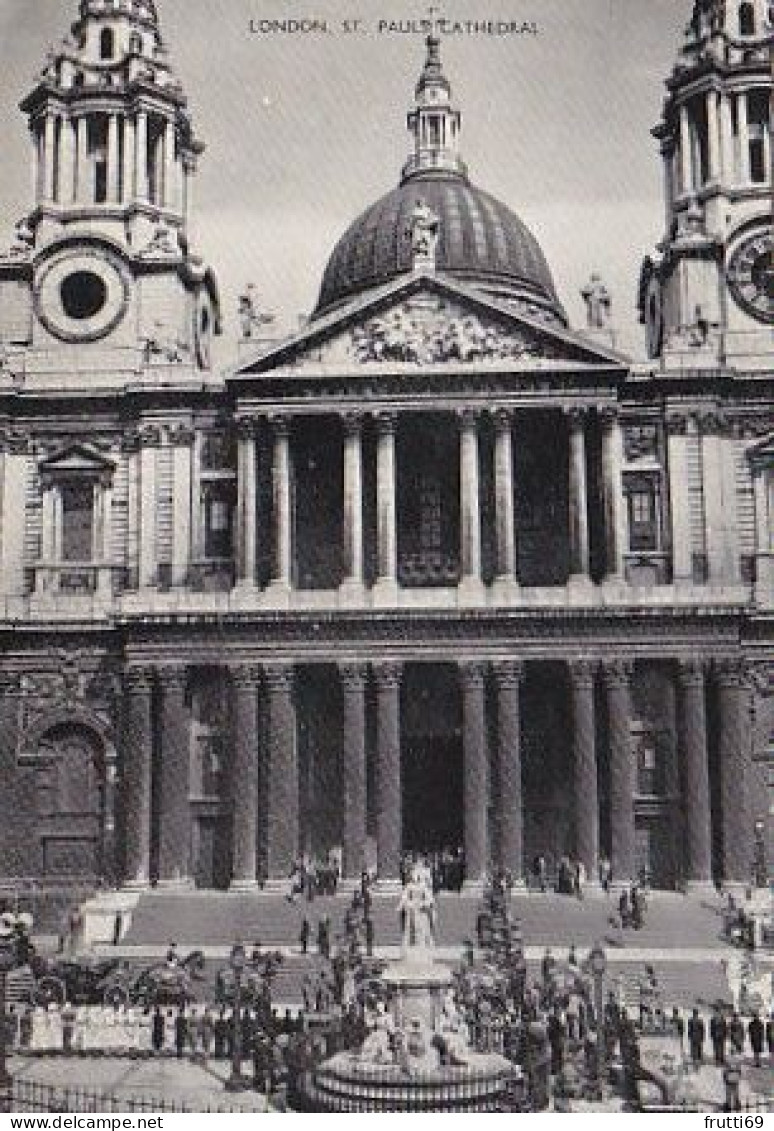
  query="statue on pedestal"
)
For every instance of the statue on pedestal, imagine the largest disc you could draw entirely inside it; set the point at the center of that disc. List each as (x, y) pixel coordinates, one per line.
(424, 225)
(417, 912)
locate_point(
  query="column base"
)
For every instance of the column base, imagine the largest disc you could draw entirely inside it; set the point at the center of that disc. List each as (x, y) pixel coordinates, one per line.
(352, 593)
(699, 887)
(384, 594)
(506, 590)
(277, 887)
(473, 887)
(244, 886)
(580, 584)
(183, 883)
(278, 594)
(471, 591)
(137, 885)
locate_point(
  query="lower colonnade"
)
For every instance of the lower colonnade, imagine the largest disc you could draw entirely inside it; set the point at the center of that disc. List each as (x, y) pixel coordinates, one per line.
(495, 775)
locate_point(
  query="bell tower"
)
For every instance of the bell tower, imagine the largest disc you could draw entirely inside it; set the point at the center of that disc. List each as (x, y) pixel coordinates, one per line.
(434, 122)
(105, 247)
(707, 296)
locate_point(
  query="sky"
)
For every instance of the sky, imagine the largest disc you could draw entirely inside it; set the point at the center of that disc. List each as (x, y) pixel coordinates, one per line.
(304, 131)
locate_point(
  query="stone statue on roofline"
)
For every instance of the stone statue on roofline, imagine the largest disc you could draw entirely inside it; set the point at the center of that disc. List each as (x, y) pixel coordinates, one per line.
(423, 232)
(598, 304)
(251, 316)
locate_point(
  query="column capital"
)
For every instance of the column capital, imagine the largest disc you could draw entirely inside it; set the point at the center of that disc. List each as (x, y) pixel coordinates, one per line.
(582, 671)
(245, 677)
(472, 674)
(691, 671)
(676, 423)
(503, 419)
(509, 673)
(280, 423)
(387, 675)
(10, 683)
(181, 435)
(353, 677)
(149, 436)
(138, 680)
(173, 678)
(730, 672)
(609, 415)
(468, 418)
(576, 416)
(618, 673)
(386, 423)
(352, 423)
(279, 677)
(248, 427)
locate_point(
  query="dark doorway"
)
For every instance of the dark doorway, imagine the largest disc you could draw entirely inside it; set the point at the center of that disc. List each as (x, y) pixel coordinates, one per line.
(431, 759)
(212, 852)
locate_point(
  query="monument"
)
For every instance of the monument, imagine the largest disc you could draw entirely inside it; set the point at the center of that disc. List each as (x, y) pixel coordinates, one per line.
(418, 1055)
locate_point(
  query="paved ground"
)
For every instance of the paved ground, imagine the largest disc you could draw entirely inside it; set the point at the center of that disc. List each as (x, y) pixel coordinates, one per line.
(180, 1084)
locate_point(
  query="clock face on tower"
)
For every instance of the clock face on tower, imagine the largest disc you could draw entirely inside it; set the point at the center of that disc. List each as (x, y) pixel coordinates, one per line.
(81, 294)
(750, 275)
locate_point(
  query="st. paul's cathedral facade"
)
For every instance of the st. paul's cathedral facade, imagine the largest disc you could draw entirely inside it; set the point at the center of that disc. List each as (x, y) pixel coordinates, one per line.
(438, 571)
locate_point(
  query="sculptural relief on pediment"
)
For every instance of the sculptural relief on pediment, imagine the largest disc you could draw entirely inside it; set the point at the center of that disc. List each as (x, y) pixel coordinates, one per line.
(432, 331)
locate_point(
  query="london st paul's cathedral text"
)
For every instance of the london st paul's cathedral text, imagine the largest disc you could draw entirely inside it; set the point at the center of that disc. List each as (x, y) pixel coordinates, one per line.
(310, 25)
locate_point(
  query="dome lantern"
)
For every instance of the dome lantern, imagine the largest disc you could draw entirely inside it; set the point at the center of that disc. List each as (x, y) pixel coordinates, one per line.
(434, 122)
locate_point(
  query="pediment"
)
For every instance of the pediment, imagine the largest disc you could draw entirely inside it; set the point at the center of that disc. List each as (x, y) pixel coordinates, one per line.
(426, 322)
(74, 461)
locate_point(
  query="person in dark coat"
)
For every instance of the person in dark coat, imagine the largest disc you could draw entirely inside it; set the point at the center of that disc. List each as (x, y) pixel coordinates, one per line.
(556, 1039)
(756, 1032)
(181, 1033)
(696, 1035)
(306, 931)
(736, 1034)
(719, 1036)
(369, 936)
(220, 1030)
(157, 1030)
(770, 1035)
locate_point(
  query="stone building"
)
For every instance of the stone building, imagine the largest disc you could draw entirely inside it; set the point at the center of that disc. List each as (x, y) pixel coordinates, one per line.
(437, 571)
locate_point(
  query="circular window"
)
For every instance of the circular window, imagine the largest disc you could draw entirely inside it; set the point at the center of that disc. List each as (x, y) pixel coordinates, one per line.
(83, 294)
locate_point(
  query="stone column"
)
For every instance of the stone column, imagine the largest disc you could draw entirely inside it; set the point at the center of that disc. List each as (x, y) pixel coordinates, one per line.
(727, 162)
(386, 534)
(113, 161)
(127, 177)
(175, 838)
(14, 847)
(476, 771)
(733, 752)
(686, 154)
(353, 500)
(283, 517)
(283, 806)
(353, 684)
(578, 495)
(50, 157)
(764, 534)
(509, 675)
(149, 441)
(679, 501)
(182, 438)
(713, 135)
(67, 163)
(137, 757)
(504, 505)
(170, 164)
(389, 794)
(470, 500)
(744, 138)
(247, 504)
(615, 509)
(692, 732)
(245, 680)
(83, 193)
(585, 786)
(141, 155)
(618, 674)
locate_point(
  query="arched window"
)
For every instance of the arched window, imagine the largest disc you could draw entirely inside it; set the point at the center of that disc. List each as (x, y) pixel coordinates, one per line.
(106, 43)
(747, 19)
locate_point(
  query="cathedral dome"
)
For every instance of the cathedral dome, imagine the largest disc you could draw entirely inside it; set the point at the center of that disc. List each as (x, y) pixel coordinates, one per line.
(480, 241)
(477, 239)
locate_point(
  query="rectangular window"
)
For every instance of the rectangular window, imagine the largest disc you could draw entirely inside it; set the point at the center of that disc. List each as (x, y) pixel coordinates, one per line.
(643, 523)
(77, 522)
(218, 452)
(218, 506)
